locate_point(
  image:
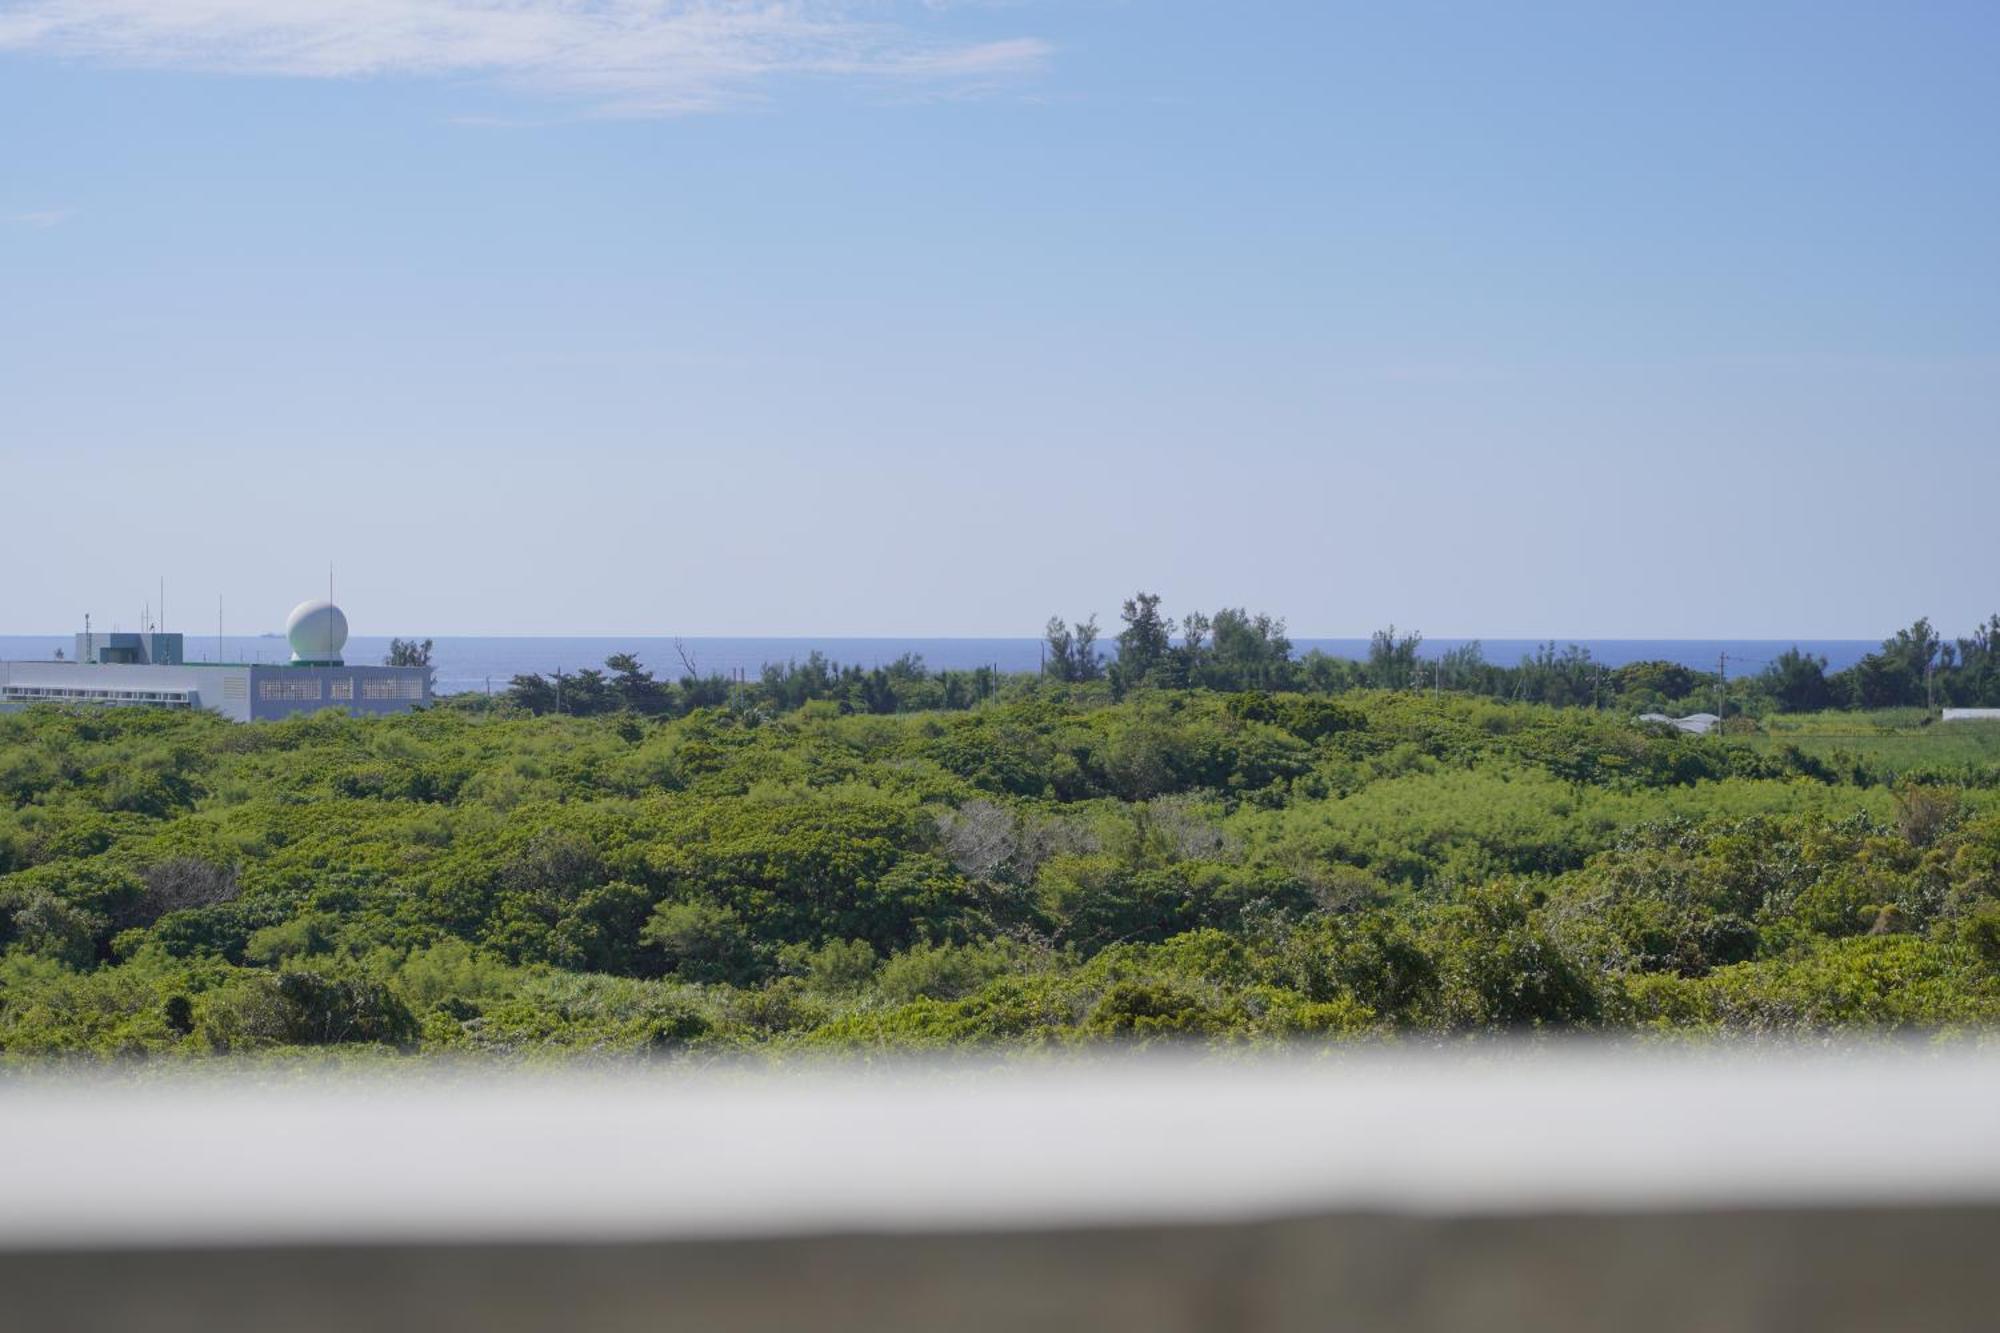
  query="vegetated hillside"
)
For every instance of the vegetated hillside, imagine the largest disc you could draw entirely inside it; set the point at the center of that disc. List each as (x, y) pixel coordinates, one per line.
(1050, 868)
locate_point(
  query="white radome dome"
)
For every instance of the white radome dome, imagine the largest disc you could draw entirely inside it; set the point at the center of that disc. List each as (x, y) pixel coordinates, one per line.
(317, 632)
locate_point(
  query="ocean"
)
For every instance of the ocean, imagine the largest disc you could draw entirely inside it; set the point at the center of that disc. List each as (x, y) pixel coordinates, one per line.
(477, 663)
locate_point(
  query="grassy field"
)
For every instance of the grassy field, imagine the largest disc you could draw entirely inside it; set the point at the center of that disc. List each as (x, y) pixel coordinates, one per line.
(1892, 741)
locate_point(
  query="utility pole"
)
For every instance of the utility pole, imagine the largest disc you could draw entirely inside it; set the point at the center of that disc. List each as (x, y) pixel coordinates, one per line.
(1721, 686)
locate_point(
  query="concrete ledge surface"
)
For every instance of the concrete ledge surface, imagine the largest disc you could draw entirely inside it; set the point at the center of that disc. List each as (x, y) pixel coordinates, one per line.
(1567, 1189)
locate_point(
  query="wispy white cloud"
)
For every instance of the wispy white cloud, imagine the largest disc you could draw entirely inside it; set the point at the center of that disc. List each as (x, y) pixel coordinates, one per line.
(47, 217)
(634, 57)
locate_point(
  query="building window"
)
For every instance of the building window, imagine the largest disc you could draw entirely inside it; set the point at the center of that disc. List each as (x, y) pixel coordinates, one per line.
(393, 687)
(341, 688)
(235, 687)
(290, 689)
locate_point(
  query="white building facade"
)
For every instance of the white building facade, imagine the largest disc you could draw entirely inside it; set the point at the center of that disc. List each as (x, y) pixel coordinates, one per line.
(150, 671)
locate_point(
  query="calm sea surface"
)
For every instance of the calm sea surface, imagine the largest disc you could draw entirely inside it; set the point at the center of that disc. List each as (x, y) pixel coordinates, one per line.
(474, 663)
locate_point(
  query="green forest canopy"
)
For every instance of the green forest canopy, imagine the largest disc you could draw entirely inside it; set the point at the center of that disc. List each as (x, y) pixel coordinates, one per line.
(1234, 650)
(1046, 866)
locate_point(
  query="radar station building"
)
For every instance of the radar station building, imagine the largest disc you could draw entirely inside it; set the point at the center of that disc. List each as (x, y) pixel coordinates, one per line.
(150, 670)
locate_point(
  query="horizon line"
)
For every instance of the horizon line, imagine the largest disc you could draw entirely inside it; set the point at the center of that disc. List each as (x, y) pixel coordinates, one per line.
(1105, 637)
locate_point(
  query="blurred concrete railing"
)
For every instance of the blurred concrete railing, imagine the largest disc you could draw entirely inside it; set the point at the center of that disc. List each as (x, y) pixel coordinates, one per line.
(1583, 1189)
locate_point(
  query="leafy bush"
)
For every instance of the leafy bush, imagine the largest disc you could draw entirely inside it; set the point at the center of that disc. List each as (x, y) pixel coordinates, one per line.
(1039, 866)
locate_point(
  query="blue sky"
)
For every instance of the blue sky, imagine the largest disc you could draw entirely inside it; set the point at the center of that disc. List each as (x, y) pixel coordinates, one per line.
(632, 316)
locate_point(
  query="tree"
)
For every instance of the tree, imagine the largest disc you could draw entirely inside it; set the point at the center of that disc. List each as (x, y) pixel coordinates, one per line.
(700, 941)
(1089, 662)
(1899, 675)
(1250, 653)
(44, 924)
(981, 838)
(1976, 682)
(1072, 656)
(1061, 645)
(411, 653)
(1666, 681)
(1466, 668)
(1144, 644)
(320, 1008)
(578, 693)
(1796, 682)
(634, 686)
(1193, 653)
(1392, 661)
(532, 691)
(178, 884)
(1564, 679)
(586, 693)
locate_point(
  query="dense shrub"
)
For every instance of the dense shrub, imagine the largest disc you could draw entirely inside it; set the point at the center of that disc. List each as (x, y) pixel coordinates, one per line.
(1042, 867)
